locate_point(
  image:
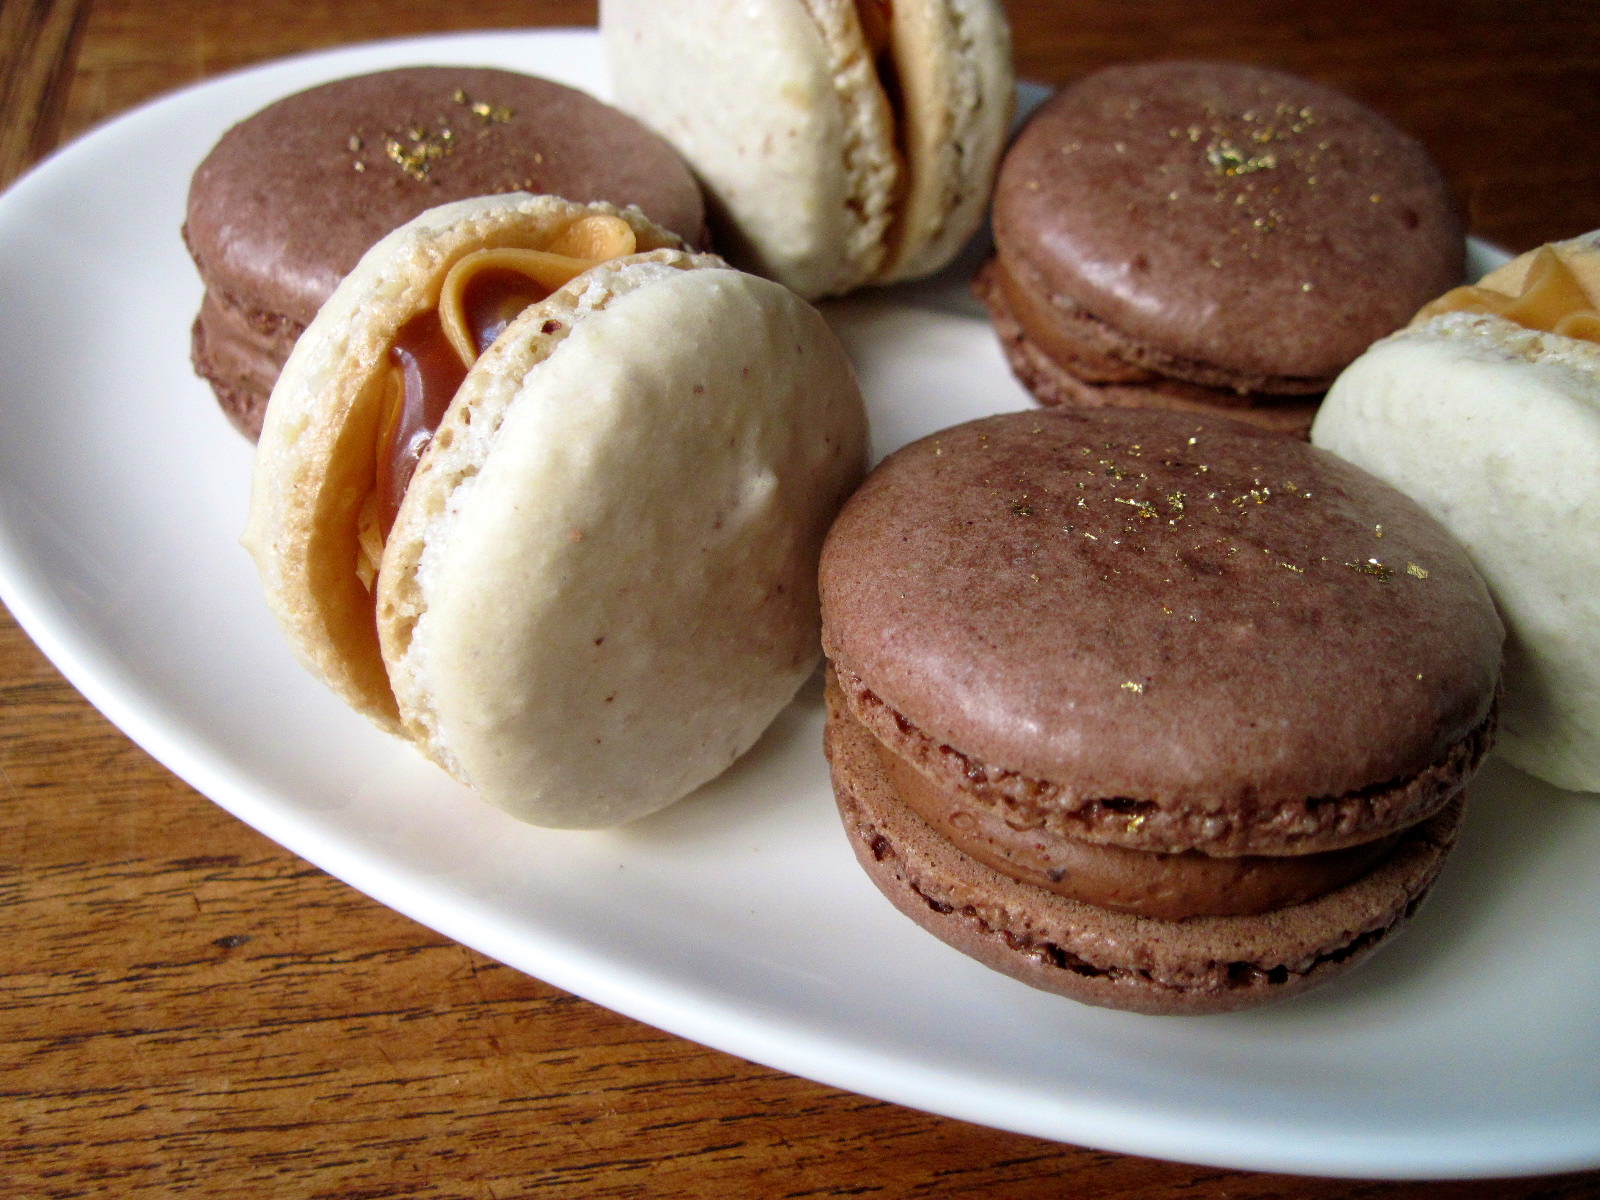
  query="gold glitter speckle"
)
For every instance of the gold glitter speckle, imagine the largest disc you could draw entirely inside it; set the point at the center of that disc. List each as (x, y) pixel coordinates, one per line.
(1134, 686)
(1416, 572)
(417, 155)
(1228, 160)
(1145, 508)
(1021, 508)
(1371, 567)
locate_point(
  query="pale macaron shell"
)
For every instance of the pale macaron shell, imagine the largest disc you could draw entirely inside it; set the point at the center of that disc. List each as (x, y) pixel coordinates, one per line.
(606, 583)
(778, 120)
(1495, 430)
(958, 93)
(777, 107)
(316, 459)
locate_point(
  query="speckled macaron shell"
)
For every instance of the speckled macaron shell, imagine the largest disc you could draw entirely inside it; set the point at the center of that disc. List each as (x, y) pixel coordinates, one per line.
(1495, 429)
(778, 112)
(601, 585)
(289, 199)
(956, 94)
(1235, 216)
(1090, 954)
(1163, 631)
(316, 460)
(813, 178)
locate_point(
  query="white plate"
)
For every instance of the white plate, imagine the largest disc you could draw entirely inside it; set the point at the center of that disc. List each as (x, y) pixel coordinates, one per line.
(737, 918)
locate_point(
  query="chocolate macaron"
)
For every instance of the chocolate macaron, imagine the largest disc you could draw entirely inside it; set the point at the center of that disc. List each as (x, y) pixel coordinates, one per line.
(1159, 713)
(1210, 236)
(288, 201)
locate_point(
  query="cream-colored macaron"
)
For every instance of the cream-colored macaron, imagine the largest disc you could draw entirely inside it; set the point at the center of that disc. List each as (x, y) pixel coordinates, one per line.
(598, 586)
(1494, 427)
(841, 142)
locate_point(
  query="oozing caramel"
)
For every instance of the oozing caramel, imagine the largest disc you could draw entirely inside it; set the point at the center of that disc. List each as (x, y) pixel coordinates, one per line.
(1552, 300)
(482, 293)
(877, 25)
(1166, 886)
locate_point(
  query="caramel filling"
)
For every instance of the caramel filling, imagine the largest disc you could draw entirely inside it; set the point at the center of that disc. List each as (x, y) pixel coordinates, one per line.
(877, 25)
(1168, 886)
(482, 293)
(1552, 301)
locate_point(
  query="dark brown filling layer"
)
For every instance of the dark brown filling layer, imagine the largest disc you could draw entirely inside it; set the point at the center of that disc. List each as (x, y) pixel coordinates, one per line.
(1096, 353)
(1169, 886)
(1270, 826)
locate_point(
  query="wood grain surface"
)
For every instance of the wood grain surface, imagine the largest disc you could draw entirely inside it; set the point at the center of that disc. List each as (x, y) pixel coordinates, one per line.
(188, 1010)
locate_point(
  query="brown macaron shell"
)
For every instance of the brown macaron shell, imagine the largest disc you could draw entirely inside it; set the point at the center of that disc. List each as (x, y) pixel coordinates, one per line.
(289, 199)
(1238, 226)
(1117, 960)
(1173, 885)
(1066, 356)
(1155, 631)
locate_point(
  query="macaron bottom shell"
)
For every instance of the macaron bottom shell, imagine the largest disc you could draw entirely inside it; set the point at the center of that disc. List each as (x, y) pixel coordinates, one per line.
(1061, 375)
(1117, 960)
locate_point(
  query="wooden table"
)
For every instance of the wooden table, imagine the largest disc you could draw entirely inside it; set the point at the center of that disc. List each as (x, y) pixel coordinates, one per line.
(188, 1010)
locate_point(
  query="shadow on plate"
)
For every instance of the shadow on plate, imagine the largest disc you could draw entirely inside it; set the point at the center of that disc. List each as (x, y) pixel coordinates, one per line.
(777, 777)
(1514, 827)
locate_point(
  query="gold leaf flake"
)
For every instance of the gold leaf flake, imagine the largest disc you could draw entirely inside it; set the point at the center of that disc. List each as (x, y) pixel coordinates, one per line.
(1371, 567)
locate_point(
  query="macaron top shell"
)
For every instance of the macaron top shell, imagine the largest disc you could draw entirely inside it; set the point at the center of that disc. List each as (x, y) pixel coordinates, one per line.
(956, 92)
(316, 461)
(779, 119)
(1143, 605)
(816, 176)
(1228, 214)
(1495, 429)
(289, 199)
(601, 586)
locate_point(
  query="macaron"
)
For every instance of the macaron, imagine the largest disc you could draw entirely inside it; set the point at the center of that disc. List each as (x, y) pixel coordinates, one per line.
(1162, 713)
(1210, 237)
(544, 496)
(1486, 411)
(288, 201)
(841, 142)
